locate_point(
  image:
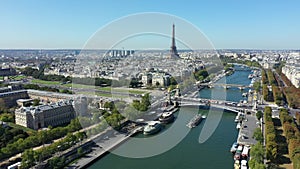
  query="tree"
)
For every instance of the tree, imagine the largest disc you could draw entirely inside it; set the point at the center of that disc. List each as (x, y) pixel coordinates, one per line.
(96, 117)
(257, 156)
(57, 162)
(257, 135)
(146, 100)
(201, 75)
(173, 81)
(298, 118)
(142, 105)
(271, 150)
(257, 153)
(28, 158)
(7, 117)
(257, 86)
(109, 105)
(79, 151)
(36, 102)
(259, 115)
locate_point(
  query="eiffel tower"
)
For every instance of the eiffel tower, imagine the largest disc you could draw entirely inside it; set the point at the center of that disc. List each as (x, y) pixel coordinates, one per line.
(173, 51)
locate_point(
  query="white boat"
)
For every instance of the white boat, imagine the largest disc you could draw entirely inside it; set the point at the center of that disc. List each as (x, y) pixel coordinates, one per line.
(245, 151)
(237, 155)
(238, 126)
(244, 164)
(234, 147)
(152, 127)
(167, 117)
(195, 121)
(237, 119)
(237, 164)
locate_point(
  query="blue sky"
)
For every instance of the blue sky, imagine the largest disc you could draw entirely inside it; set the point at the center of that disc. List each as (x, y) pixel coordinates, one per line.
(255, 24)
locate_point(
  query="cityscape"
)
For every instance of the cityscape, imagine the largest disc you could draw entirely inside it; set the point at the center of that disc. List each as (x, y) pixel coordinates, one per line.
(152, 88)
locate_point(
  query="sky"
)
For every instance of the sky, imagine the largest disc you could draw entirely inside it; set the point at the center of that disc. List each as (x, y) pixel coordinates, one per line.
(227, 24)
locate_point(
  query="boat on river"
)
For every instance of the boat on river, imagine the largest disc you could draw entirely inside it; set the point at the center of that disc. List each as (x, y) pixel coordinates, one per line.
(166, 117)
(234, 147)
(152, 127)
(195, 121)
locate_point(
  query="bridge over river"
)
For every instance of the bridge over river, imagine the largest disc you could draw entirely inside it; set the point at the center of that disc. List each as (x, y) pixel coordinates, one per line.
(220, 104)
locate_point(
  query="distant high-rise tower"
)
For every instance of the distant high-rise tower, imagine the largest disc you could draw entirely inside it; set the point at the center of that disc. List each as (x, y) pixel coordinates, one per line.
(173, 50)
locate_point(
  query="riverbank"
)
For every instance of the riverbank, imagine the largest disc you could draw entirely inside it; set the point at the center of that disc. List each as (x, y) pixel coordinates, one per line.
(104, 145)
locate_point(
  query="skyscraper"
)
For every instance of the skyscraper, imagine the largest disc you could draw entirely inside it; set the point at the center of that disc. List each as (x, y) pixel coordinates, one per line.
(173, 51)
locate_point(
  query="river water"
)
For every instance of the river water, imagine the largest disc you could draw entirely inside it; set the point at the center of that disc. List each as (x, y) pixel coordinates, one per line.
(189, 153)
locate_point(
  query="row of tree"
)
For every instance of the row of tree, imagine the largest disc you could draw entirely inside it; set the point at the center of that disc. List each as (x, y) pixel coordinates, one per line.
(292, 135)
(143, 104)
(257, 151)
(45, 88)
(257, 156)
(9, 135)
(39, 138)
(277, 95)
(249, 63)
(271, 78)
(268, 79)
(291, 93)
(264, 77)
(31, 157)
(200, 75)
(39, 74)
(270, 135)
(268, 96)
(92, 81)
(298, 118)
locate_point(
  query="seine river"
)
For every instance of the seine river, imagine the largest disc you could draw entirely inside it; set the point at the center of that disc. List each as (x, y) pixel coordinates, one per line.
(189, 153)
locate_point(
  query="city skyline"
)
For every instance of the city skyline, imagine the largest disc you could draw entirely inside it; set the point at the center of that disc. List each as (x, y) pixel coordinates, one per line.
(228, 25)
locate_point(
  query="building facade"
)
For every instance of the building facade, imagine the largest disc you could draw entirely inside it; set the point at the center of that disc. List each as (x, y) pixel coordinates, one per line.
(42, 116)
(9, 99)
(292, 72)
(45, 96)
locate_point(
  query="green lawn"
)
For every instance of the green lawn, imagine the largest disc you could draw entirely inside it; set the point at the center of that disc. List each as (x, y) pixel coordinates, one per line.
(80, 86)
(45, 82)
(132, 91)
(102, 94)
(19, 77)
(107, 89)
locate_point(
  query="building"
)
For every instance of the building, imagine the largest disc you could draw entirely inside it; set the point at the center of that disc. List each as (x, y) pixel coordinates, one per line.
(7, 72)
(9, 99)
(173, 51)
(80, 105)
(292, 72)
(45, 96)
(42, 116)
(160, 79)
(147, 79)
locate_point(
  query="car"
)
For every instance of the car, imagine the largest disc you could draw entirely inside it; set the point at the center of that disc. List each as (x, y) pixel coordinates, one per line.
(244, 136)
(244, 164)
